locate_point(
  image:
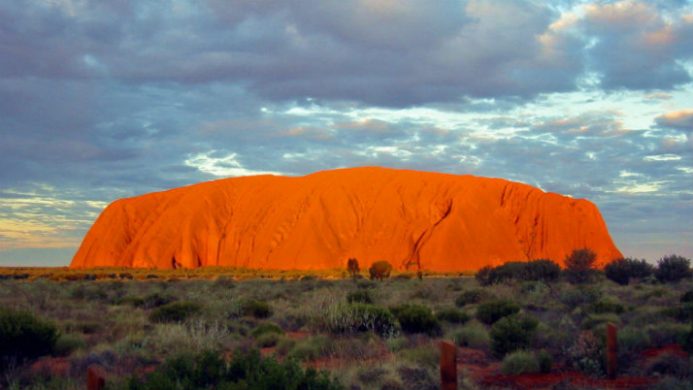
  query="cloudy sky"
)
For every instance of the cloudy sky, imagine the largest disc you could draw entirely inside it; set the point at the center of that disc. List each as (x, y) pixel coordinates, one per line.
(105, 99)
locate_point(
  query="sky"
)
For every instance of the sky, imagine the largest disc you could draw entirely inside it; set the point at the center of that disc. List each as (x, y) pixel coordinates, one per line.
(101, 100)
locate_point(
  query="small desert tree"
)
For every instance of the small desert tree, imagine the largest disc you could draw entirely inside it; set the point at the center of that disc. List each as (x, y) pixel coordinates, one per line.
(579, 265)
(380, 270)
(353, 267)
(673, 268)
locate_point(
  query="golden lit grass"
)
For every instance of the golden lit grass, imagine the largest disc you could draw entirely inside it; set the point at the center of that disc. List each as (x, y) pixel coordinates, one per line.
(117, 273)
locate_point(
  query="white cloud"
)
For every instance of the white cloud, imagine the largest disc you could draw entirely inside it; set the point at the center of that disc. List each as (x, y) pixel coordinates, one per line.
(227, 165)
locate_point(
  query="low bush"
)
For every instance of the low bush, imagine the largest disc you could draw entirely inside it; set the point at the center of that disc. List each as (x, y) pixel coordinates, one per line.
(545, 361)
(256, 308)
(512, 333)
(581, 295)
(359, 296)
(68, 343)
(490, 312)
(380, 270)
(607, 306)
(668, 364)
(470, 297)
(266, 327)
(622, 271)
(416, 319)
(587, 354)
(24, 336)
(310, 348)
(687, 297)
(267, 340)
(360, 317)
(535, 270)
(452, 315)
(473, 335)
(673, 268)
(632, 340)
(520, 362)
(246, 370)
(485, 276)
(175, 312)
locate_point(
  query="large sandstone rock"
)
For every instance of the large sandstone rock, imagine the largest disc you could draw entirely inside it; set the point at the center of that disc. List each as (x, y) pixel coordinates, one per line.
(438, 222)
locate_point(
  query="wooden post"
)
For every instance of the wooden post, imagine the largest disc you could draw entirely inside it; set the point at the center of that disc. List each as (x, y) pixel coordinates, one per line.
(448, 365)
(611, 350)
(96, 379)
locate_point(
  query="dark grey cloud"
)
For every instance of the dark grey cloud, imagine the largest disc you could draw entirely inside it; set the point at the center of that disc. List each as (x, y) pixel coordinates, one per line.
(101, 100)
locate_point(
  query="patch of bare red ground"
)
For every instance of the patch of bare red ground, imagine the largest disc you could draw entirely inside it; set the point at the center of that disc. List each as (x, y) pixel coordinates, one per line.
(673, 349)
(486, 373)
(51, 366)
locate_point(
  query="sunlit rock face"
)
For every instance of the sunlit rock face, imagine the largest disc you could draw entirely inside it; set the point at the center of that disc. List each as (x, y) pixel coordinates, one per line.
(415, 220)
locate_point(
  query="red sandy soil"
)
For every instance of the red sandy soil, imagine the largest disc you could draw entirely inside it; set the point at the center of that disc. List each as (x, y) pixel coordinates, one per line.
(432, 221)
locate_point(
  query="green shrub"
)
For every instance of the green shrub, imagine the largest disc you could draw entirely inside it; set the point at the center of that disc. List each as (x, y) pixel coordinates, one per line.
(668, 364)
(594, 321)
(175, 312)
(520, 362)
(266, 327)
(359, 296)
(452, 315)
(579, 266)
(542, 270)
(473, 335)
(470, 297)
(573, 297)
(687, 343)
(587, 354)
(24, 337)
(266, 340)
(247, 370)
(490, 312)
(360, 317)
(68, 343)
(632, 339)
(687, 297)
(673, 268)
(310, 348)
(511, 333)
(380, 270)
(664, 333)
(485, 276)
(416, 319)
(606, 306)
(256, 308)
(545, 361)
(157, 299)
(622, 271)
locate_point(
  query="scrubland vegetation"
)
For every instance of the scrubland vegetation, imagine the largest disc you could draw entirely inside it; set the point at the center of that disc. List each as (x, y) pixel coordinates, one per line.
(168, 331)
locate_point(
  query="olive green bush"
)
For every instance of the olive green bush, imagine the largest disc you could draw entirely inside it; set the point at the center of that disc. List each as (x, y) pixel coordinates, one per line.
(490, 312)
(24, 336)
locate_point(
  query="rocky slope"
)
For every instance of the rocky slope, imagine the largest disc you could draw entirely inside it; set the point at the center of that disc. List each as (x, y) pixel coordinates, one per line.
(438, 222)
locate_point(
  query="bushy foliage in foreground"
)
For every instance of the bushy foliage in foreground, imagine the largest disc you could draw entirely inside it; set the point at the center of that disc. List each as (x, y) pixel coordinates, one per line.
(247, 370)
(622, 271)
(23, 337)
(417, 319)
(512, 333)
